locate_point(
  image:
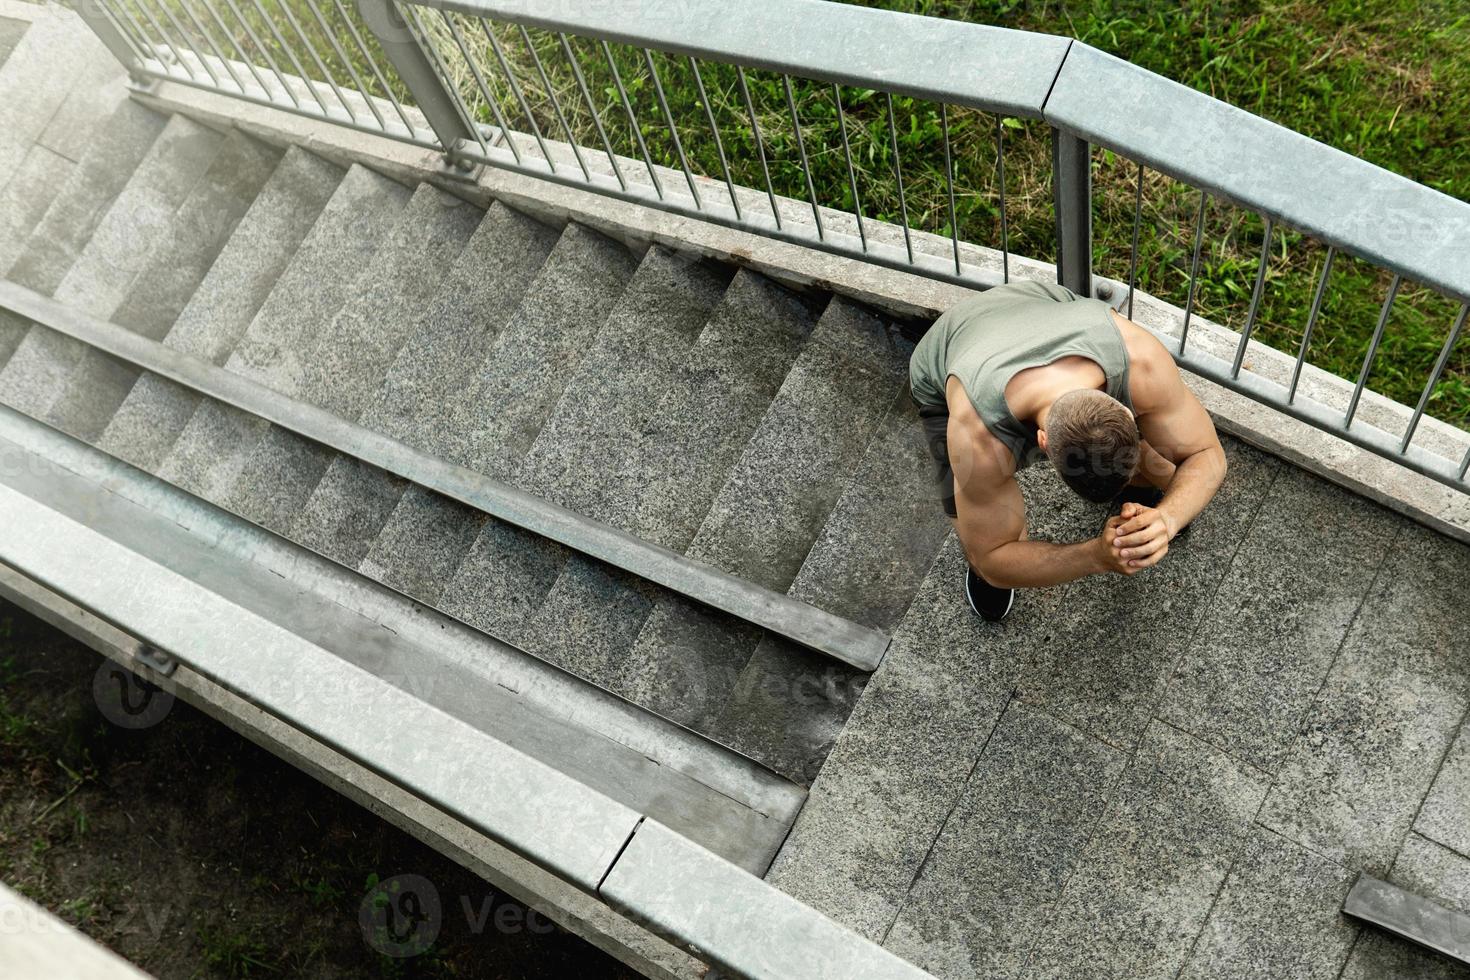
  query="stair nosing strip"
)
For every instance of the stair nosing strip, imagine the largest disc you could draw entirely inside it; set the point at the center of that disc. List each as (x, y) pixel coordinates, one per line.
(778, 613)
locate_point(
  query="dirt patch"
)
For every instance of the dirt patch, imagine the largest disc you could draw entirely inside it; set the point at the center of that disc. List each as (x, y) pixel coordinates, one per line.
(194, 853)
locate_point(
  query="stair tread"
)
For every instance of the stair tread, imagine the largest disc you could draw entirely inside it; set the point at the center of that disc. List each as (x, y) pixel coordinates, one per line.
(427, 535)
(156, 413)
(27, 194)
(73, 215)
(11, 31)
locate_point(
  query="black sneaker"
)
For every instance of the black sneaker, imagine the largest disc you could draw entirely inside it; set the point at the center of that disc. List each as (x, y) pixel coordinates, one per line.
(988, 602)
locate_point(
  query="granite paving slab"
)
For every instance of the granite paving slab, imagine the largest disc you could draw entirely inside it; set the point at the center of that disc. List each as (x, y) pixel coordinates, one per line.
(347, 510)
(1275, 623)
(1279, 915)
(11, 31)
(1371, 744)
(1445, 815)
(26, 195)
(993, 876)
(48, 60)
(1146, 884)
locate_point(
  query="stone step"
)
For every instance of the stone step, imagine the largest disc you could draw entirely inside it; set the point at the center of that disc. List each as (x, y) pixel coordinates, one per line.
(593, 612)
(594, 620)
(78, 207)
(26, 195)
(770, 510)
(146, 218)
(507, 571)
(211, 452)
(276, 470)
(11, 31)
(156, 411)
(346, 511)
(33, 376)
(427, 535)
(49, 61)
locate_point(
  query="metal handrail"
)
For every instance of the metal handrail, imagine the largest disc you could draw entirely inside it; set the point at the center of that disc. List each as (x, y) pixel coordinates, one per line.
(1086, 97)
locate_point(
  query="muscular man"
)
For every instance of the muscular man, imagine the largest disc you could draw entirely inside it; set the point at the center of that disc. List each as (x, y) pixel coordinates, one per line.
(1030, 369)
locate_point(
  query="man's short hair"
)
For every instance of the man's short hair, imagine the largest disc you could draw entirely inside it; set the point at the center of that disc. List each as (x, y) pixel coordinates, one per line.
(1092, 440)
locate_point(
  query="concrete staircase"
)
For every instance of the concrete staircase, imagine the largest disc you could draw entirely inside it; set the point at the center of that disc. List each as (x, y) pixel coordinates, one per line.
(704, 409)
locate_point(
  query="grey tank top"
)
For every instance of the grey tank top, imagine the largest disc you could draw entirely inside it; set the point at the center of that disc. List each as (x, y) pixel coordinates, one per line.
(985, 340)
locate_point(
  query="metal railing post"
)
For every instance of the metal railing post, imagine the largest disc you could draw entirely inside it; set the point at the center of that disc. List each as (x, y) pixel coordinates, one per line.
(440, 106)
(113, 39)
(1072, 202)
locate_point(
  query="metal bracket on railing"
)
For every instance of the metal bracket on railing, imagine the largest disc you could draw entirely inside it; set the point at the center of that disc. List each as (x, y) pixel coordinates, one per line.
(155, 660)
(438, 104)
(459, 165)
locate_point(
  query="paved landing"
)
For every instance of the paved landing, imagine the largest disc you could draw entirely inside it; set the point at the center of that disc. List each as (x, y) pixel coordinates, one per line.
(1174, 775)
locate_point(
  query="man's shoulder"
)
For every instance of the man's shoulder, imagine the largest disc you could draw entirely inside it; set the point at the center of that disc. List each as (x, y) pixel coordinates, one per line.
(1152, 374)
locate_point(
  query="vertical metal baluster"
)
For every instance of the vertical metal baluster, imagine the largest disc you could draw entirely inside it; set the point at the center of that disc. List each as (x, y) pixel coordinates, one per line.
(515, 87)
(1250, 317)
(1301, 357)
(430, 51)
(136, 29)
(264, 53)
(1133, 256)
(617, 77)
(245, 59)
(1464, 465)
(806, 170)
(372, 64)
(576, 66)
(898, 173)
(209, 39)
(555, 103)
(954, 227)
(714, 127)
(184, 37)
(663, 103)
(1439, 366)
(1199, 237)
(142, 6)
(331, 36)
(760, 144)
(1000, 179)
(464, 50)
(1393, 291)
(290, 56)
(857, 204)
(137, 45)
(316, 59)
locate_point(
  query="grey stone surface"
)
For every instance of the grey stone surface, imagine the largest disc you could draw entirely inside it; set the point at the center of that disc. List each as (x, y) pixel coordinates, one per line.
(1279, 915)
(499, 416)
(277, 479)
(346, 361)
(619, 383)
(1438, 874)
(803, 454)
(322, 278)
(990, 881)
(1370, 745)
(1277, 618)
(51, 58)
(427, 535)
(319, 280)
(685, 662)
(1105, 666)
(11, 31)
(96, 91)
(1148, 879)
(883, 533)
(13, 330)
(347, 510)
(156, 412)
(79, 206)
(1445, 816)
(422, 543)
(26, 195)
(590, 619)
(90, 394)
(713, 407)
(502, 580)
(33, 376)
(212, 449)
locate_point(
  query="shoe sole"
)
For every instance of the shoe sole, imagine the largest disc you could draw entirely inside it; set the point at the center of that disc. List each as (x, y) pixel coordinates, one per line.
(971, 602)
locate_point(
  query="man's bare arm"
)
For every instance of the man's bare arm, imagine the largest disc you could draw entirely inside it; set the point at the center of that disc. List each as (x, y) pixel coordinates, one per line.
(992, 529)
(1177, 426)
